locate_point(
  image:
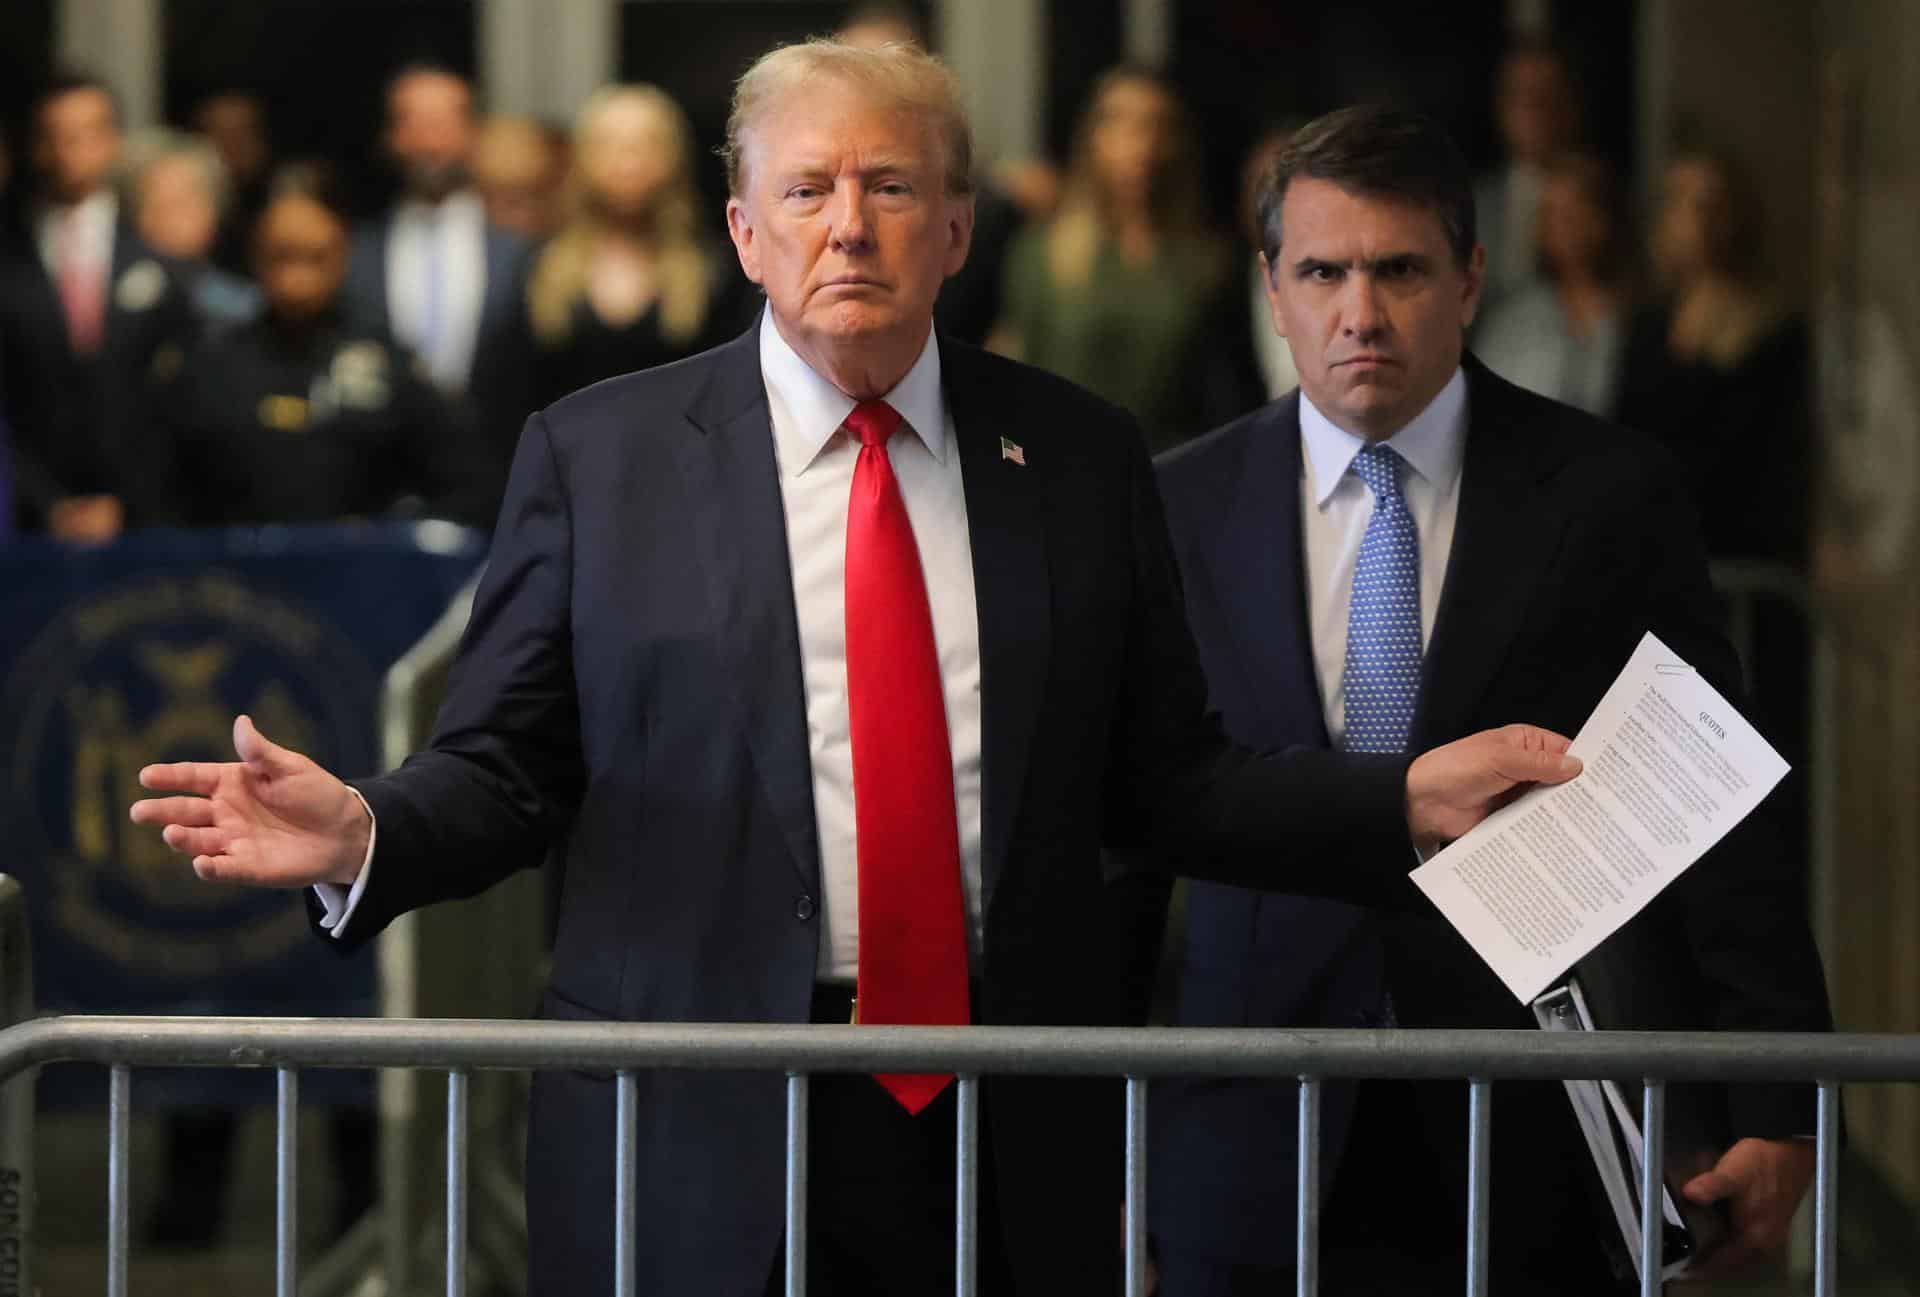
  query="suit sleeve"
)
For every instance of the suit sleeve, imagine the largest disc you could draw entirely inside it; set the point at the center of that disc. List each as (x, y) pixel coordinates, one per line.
(1303, 821)
(504, 771)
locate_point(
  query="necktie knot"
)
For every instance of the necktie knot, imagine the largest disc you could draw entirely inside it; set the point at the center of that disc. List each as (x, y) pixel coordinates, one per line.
(873, 422)
(1379, 468)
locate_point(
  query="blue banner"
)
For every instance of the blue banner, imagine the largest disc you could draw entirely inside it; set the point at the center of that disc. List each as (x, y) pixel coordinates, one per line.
(145, 651)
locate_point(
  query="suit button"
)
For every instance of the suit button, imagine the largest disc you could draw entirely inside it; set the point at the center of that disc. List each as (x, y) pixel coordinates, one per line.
(803, 908)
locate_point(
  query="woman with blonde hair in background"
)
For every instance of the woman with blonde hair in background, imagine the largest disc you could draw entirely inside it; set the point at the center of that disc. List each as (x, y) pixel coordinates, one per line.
(1118, 291)
(631, 279)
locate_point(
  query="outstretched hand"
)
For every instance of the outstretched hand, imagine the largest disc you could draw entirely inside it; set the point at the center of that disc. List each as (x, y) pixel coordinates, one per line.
(271, 819)
(1454, 787)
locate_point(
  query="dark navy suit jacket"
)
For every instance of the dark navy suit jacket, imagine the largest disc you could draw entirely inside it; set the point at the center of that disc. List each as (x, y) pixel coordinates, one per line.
(500, 387)
(630, 689)
(1573, 538)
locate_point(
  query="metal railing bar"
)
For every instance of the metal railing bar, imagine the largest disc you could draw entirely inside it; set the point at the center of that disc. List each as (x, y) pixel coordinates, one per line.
(1479, 1182)
(966, 1217)
(457, 1099)
(626, 1183)
(1136, 1223)
(797, 1153)
(1826, 1194)
(1653, 1187)
(1055, 1051)
(286, 1200)
(1306, 1225)
(119, 1130)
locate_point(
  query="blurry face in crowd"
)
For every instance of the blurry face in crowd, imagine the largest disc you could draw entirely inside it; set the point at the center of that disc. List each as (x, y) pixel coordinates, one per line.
(1695, 224)
(235, 126)
(1132, 138)
(1574, 227)
(845, 220)
(517, 169)
(626, 154)
(1370, 299)
(78, 144)
(430, 132)
(1535, 107)
(176, 215)
(300, 257)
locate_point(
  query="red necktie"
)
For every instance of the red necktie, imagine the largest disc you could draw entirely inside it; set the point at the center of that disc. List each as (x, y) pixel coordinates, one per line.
(80, 289)
(913, 936)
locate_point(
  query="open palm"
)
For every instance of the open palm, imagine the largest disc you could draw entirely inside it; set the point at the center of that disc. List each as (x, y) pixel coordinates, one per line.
(271, 819)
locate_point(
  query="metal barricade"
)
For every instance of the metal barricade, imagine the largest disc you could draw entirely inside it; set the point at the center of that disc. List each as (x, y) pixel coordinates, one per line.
(461, 1047)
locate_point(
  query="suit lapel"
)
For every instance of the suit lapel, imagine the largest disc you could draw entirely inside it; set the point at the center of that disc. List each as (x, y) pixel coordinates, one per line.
(1255, 564)
(1010, 593)
(732, 475)
(1504, 537)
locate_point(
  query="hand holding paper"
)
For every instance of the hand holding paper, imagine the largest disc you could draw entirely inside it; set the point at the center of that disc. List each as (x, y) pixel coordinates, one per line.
(1450, 788)
(1670, 768)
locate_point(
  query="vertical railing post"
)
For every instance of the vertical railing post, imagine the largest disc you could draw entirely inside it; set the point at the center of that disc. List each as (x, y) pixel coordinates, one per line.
(1306, 1225)
(1826, 1194)
(16, 1098)
(1653, 1187)
(796, 1184)
(966, 1222)
(1136, 1186)
(457, 1093)
(626, 1183)
(1479, 1181)
(119, 1133)
(286, 1204)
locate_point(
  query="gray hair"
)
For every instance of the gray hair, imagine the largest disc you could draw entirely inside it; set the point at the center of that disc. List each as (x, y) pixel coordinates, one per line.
(148, 149)
(899, 76)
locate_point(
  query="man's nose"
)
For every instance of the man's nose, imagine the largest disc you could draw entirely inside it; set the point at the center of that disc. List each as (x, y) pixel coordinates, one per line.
(850, 230)
(1361, 315)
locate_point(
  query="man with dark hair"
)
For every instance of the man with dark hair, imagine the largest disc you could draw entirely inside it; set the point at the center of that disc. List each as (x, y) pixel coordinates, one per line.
(435, 272)
(1406, 549)
(91, 320)
(234, 122)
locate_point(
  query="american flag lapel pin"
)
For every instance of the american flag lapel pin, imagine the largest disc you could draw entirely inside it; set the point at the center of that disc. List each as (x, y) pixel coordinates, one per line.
(1011, 450)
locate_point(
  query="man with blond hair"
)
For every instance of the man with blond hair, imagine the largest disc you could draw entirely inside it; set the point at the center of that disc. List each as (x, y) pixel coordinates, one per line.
(830, 658)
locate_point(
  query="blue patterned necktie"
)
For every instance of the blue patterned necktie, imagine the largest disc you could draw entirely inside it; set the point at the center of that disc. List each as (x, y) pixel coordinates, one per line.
(1382, 679)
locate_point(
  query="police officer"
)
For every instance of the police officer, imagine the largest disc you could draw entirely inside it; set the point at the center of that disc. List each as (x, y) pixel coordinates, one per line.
(300, 416)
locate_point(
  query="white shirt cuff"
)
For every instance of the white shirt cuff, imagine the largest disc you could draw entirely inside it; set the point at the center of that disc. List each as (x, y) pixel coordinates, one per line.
(337, 902)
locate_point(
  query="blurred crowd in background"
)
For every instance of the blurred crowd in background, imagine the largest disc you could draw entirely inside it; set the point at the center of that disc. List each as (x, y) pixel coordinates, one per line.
(197, 331)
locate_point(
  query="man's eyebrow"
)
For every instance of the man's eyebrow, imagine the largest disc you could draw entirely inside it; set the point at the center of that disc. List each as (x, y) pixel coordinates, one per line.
(1415, 259)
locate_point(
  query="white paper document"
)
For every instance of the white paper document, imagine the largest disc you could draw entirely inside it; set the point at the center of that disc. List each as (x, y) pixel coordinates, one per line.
(1670, 768)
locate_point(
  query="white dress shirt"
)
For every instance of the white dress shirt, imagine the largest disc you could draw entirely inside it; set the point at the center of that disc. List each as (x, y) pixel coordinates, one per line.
(437, 282)
(85, 230)
(1335, 507)
(815, 459)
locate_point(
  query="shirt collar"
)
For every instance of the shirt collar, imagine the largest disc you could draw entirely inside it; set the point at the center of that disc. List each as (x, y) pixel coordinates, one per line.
(96, 212)
(460, 205)
(1433, 443)
(815, 408)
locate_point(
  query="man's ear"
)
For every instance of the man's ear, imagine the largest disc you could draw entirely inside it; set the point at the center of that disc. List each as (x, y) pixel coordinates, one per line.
(959, 233)
(1476, 277)
(1273, 297)
(740, 230)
